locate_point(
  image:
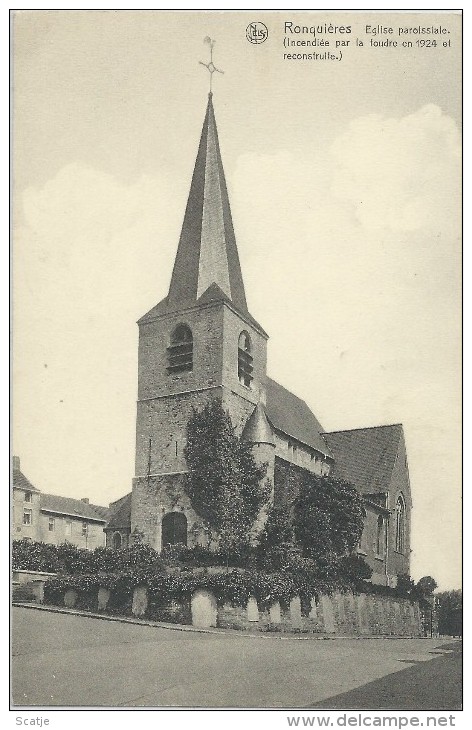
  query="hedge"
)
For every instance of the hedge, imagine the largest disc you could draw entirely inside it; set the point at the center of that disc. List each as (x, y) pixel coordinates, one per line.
(69, 559)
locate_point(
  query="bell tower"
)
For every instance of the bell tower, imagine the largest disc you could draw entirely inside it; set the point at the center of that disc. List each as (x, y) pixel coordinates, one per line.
(197, 344)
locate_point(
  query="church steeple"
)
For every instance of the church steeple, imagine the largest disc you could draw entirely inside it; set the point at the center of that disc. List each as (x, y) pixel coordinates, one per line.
(207, 253)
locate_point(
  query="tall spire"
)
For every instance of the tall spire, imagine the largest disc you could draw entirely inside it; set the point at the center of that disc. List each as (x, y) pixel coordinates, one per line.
(207, 253)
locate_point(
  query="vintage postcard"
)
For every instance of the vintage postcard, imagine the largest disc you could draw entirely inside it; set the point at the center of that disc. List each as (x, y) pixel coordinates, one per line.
(237, 361)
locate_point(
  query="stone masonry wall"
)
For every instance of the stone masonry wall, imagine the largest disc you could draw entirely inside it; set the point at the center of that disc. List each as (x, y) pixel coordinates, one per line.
(155, 497)
(341, 614)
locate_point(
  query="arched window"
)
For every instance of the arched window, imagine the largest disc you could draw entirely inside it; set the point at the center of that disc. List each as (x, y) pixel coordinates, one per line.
(174, 529)
(180, 350)
(400, 525)
(380, 539)
(116, 541)
(245, 366)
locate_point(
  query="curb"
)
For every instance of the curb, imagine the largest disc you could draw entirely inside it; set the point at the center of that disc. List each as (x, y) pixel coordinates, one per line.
(196, 630)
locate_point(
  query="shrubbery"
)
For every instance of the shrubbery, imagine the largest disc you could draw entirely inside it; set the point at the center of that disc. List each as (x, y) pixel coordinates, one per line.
(228, 586)
(69, 559)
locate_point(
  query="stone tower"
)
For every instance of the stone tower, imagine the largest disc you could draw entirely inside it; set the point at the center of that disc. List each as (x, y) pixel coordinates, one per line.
(197, 344)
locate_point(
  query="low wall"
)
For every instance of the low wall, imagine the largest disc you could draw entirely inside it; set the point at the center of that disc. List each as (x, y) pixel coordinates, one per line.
(25, 576)
(29, 585)
(342, 614)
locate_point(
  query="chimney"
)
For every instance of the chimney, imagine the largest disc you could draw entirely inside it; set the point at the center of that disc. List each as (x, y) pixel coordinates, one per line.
(16, 463)
(85, 500)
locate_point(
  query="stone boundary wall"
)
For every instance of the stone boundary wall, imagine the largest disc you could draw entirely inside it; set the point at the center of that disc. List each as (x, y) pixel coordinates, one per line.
(341, 614)
(25, 576)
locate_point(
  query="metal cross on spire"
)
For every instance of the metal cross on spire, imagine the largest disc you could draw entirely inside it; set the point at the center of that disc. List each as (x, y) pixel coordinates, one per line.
(210, 66)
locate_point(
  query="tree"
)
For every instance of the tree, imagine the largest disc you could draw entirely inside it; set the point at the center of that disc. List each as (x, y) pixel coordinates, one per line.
(405, 585)
(426, 585)
(450, 612)
(328, 517)
(224, 480)
(276, 545)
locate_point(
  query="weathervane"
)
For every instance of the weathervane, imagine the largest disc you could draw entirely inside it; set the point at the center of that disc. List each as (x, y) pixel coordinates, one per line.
(210, 66)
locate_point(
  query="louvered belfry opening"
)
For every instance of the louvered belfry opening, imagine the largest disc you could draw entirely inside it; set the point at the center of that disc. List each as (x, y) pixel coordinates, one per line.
(180, 350)
(245, 366)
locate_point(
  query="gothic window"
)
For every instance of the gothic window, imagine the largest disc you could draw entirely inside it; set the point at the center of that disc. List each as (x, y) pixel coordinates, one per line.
(245, 366)
(180, 350)
(116, 541)
(363, 539)
(174, 529)
(400, 525)
(380, 539)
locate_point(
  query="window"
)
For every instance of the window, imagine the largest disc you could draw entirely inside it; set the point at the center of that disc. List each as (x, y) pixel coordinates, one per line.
(27, 517)
(180, 350)
(84, 529)
(28, 497)
(245, 366)
(68, 528)
(363, 541)
(51, 524)
(400, 525)
(380, 538)
(116, 541)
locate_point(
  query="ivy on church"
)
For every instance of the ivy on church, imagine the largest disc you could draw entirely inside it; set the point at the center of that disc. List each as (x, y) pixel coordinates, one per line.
(224, 483)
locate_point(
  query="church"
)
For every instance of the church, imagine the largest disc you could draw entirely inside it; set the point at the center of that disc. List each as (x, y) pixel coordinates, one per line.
(201, 343)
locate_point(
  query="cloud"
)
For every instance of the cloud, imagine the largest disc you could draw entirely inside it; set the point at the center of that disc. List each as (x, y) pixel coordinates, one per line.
(92, 254)
(401, 174)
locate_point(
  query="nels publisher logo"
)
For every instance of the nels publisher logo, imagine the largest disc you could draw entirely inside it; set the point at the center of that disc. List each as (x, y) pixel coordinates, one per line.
(257, 33)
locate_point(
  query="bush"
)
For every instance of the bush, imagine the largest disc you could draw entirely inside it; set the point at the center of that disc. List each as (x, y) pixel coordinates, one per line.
(328, 517)
(27, 555)
(70, 560)
(354, 569)
(276, 543)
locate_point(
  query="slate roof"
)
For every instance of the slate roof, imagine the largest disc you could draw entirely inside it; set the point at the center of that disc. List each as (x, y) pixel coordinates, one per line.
(213, 294)
(257, 429)
(207, 250)
(21, 482)
(72, 507)
(102, 511)
(290, 414)
(120, 512)
(365, 456)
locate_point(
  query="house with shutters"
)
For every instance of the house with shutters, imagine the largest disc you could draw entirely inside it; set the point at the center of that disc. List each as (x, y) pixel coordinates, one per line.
(201, 342)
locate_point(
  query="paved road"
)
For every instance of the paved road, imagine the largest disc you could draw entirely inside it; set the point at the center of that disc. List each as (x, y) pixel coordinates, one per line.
(75, 661)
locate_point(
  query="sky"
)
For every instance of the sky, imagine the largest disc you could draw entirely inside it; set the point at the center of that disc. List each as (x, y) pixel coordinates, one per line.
(344, 183)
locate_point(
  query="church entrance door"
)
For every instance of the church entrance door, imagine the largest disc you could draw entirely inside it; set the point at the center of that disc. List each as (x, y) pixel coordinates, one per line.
(174, 529)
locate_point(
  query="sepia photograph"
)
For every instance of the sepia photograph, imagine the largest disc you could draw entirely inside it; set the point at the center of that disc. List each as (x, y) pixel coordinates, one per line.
(236, 361)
